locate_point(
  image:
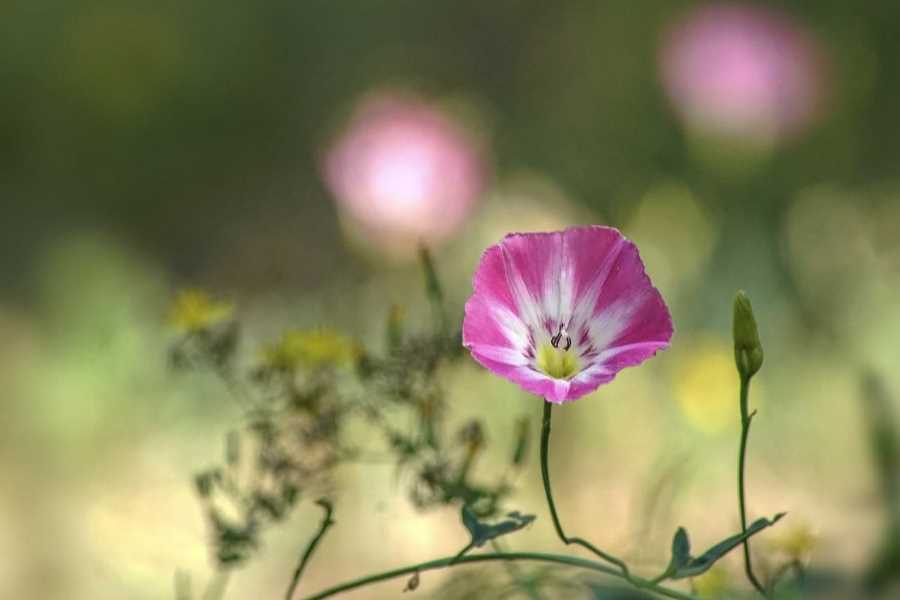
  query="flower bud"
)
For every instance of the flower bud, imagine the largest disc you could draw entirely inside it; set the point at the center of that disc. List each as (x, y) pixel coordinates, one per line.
(748, 352)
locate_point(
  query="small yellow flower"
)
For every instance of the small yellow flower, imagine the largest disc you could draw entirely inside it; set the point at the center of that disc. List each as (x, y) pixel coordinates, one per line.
(194, 310)
(309, 349)
(797, 542)
(715, 583)
(706, 387)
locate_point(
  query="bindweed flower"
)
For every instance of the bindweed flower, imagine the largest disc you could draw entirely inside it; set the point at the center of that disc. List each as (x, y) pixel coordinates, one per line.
(404, 172)
(562, 313)
(743, 71)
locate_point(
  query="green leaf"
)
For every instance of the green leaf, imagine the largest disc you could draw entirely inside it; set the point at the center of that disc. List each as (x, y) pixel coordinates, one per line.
(681, 551)
(232, 448)
(482, 532)
(432, 283)
(684, 565)
(522, 426)
(433, 289)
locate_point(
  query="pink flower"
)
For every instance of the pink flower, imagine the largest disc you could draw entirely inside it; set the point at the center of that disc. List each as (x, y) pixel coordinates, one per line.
(742, 70)
(404, 172)
(561, 313)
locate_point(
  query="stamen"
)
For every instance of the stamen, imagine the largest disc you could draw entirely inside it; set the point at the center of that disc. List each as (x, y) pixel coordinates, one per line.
(556, 339)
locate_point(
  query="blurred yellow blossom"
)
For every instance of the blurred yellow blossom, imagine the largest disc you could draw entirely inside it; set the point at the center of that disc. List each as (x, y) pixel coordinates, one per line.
(195, 310)
(706, 385)
(310, 349)
(712, 584)
(796, 542)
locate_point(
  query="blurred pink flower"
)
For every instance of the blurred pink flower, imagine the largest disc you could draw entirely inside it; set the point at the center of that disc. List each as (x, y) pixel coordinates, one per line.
(742, 70)
(404, 172)
(561, 313)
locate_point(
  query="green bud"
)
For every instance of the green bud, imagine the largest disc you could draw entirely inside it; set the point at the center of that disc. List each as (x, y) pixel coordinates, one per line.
(395, 322)
(432, 283)
(433, 289)
(748, 352)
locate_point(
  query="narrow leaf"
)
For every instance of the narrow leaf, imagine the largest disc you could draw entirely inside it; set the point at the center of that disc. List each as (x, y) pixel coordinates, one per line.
(699, 565)
(681, 551)
(484, 532)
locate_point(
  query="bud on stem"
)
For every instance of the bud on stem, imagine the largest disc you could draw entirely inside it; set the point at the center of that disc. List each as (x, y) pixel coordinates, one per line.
(748, 352)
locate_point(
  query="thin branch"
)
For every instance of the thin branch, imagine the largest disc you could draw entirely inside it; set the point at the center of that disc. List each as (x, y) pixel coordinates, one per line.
(327, 522)
(520, 579)
(215, 589)
(746, 419)
(450, 561)
(545, 473)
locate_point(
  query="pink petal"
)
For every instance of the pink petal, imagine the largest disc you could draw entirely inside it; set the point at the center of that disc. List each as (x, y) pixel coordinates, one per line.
(631, 312)
(588, 282)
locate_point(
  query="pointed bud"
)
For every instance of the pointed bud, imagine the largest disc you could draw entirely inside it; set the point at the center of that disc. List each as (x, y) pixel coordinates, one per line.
(395, 322)
(748, 352)
(522, 425)
(432, 283)
(433, 288)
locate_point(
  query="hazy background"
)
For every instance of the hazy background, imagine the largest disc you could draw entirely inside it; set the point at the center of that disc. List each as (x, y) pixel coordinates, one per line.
(145, 147)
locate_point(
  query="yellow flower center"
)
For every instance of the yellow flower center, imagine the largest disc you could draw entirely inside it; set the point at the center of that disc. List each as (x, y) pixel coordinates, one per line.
(557, 362)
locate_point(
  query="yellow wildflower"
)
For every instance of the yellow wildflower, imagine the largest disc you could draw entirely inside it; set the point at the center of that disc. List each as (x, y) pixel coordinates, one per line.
(309, 349)
(194, 310)
(797, 542)
(712, 584)
(705, 385)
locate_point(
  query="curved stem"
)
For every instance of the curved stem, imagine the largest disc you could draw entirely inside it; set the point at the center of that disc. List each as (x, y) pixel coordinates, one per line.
(545, 473)
(215, 589)
(520, 579)
(461, 553)
(327, 522)
(746, 419)
(441, 563)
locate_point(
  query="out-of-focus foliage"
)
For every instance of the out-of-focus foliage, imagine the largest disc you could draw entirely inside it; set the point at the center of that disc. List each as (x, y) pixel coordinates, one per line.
(302, 395)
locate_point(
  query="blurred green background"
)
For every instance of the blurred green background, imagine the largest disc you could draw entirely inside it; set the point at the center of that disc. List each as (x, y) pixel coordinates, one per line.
(145, 147)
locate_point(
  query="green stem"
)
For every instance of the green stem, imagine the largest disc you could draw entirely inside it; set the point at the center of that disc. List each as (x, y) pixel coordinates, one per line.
(462, 553)
(746, 419)
(545, 473)
(519, 578)
(215, 589)
(441, 563)
(327, 522)
(795, 565)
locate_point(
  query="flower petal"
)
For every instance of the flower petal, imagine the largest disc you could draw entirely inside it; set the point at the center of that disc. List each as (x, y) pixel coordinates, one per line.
(585, 283)
(492, 317)
(629, 309)
(533, 263)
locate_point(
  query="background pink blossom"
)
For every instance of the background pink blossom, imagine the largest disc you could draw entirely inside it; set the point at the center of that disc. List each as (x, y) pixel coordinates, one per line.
(742, 70)
(404, 171)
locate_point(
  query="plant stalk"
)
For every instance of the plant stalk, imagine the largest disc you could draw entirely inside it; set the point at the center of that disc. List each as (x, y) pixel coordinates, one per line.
(327, 522)
(545, 474)
(519, 578)
(441, 563)
(746, 419)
